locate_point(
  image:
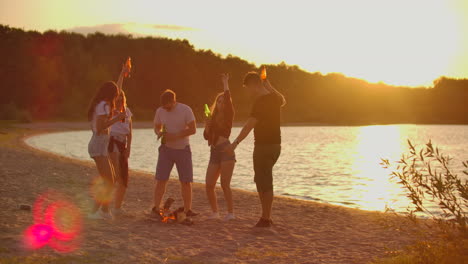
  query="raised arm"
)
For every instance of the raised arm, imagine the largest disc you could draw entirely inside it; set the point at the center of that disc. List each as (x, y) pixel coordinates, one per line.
(225, 80)
(120, 79)
(228, 107)
(272, 89)
(124, 71)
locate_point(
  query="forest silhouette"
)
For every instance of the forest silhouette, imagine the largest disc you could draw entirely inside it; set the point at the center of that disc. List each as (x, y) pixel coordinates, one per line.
(53, 75)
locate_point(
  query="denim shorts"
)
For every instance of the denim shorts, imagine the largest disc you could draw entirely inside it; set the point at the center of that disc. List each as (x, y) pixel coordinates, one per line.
(217, 154)
(98, 145)
(182, 158)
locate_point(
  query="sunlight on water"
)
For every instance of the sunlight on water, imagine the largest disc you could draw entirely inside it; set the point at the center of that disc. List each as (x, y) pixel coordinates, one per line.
(372, 144)
(339, 165)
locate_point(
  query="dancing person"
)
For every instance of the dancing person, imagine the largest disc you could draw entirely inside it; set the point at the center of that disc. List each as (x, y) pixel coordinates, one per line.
(120, 145)
(217, 131)
(174, 123)
(265, 121)
(101, 118)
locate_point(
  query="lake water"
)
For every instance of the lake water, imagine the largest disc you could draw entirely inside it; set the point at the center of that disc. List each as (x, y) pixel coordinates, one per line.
(338, 165)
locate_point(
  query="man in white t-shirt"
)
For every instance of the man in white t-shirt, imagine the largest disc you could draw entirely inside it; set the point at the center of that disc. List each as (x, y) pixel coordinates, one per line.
(174, 122)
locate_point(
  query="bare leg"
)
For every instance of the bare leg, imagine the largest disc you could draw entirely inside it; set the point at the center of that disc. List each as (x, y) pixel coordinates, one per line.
(212, 175)
(121, 188)
(107, 173)
(159, 190)
(186, 189)
(227, 169)
(266, 198)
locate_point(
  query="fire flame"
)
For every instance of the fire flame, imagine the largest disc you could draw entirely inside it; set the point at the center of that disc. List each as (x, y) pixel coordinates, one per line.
(167, 217)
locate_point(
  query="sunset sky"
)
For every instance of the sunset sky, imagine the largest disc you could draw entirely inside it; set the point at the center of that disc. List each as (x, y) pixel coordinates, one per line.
(401, 42)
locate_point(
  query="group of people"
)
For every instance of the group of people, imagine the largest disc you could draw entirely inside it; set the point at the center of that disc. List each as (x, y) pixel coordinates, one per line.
(174, 123)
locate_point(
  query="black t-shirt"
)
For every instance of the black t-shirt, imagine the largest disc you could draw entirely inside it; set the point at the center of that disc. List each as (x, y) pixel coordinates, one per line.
(267, 110)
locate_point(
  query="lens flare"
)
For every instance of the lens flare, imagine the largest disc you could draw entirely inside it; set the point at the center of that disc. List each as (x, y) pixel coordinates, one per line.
(64, 219)
(100, 190)
(57, 223)
(37, 236)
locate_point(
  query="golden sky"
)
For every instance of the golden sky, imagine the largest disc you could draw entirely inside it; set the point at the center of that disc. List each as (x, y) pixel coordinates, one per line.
(401, 42)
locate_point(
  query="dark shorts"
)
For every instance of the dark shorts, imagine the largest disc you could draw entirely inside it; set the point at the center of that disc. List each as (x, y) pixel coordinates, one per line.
(264, 159)
(117, 146)
(182, 158)
(217, 154)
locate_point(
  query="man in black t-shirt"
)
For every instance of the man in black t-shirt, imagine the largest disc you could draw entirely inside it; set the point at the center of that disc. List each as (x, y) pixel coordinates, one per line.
(265, 121)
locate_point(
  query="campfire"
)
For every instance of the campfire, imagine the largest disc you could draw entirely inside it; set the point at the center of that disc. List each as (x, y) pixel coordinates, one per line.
(177, 216)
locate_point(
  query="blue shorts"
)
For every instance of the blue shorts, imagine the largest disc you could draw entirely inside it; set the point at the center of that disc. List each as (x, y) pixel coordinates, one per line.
(182, 158)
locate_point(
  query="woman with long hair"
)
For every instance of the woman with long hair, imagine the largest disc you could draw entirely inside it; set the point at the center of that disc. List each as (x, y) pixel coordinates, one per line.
(120, 145)
(100, 114)
(217, 132)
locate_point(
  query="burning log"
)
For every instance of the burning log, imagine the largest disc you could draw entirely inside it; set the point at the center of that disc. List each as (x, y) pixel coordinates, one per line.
(177, 216)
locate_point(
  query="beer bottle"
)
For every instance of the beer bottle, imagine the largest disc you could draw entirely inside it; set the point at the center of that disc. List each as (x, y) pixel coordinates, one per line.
(263, 75)
(207, 111)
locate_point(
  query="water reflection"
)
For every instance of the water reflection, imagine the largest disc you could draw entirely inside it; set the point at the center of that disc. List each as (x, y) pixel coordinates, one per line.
(373, 188)
(338, 165)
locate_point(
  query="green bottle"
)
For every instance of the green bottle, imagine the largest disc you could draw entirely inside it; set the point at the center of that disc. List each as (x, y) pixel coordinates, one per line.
(163, 133)
(207, 111)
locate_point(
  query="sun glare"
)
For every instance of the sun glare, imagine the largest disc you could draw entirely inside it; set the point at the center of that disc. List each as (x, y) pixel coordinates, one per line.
(374, 143)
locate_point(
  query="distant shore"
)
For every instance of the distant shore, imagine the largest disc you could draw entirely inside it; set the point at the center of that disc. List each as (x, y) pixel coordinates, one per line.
(80, 125)
(304, 232)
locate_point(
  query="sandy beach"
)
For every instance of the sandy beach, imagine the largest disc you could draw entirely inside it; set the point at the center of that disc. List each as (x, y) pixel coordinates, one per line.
(304, 231)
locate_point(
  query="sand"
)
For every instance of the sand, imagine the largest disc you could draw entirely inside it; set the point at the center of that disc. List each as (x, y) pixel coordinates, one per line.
(304, 231)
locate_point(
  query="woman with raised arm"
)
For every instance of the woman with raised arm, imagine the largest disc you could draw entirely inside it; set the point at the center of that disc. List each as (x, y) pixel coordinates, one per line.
(100, 115)
(120, 145)
(217, 131)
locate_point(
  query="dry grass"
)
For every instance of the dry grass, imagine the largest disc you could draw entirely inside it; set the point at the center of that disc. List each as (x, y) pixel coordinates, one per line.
(430, 252)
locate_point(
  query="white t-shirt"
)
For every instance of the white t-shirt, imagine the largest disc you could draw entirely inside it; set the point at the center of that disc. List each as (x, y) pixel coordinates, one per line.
(175, 121)
(123, 127)
(102, 108)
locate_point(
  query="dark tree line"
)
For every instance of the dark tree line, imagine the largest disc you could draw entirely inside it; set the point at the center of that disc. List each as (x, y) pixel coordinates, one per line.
(53, 75)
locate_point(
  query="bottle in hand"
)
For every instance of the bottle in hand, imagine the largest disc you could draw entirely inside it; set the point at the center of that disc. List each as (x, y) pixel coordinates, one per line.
(128, 64)
(162, 135)
(263, 75)
(207, 111)
(122, 110)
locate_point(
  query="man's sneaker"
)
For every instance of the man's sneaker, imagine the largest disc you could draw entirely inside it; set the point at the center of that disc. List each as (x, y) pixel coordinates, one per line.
(95, 216)
(264, 223)
(191, 213)
(229, 217)
(155, 214)
(213, 216)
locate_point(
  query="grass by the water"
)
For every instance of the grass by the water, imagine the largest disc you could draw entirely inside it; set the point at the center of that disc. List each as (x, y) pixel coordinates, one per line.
(428, 252)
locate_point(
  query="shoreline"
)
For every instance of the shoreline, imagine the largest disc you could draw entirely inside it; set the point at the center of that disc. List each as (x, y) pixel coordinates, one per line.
(23, 139)
(79, 125)
(304, 232)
